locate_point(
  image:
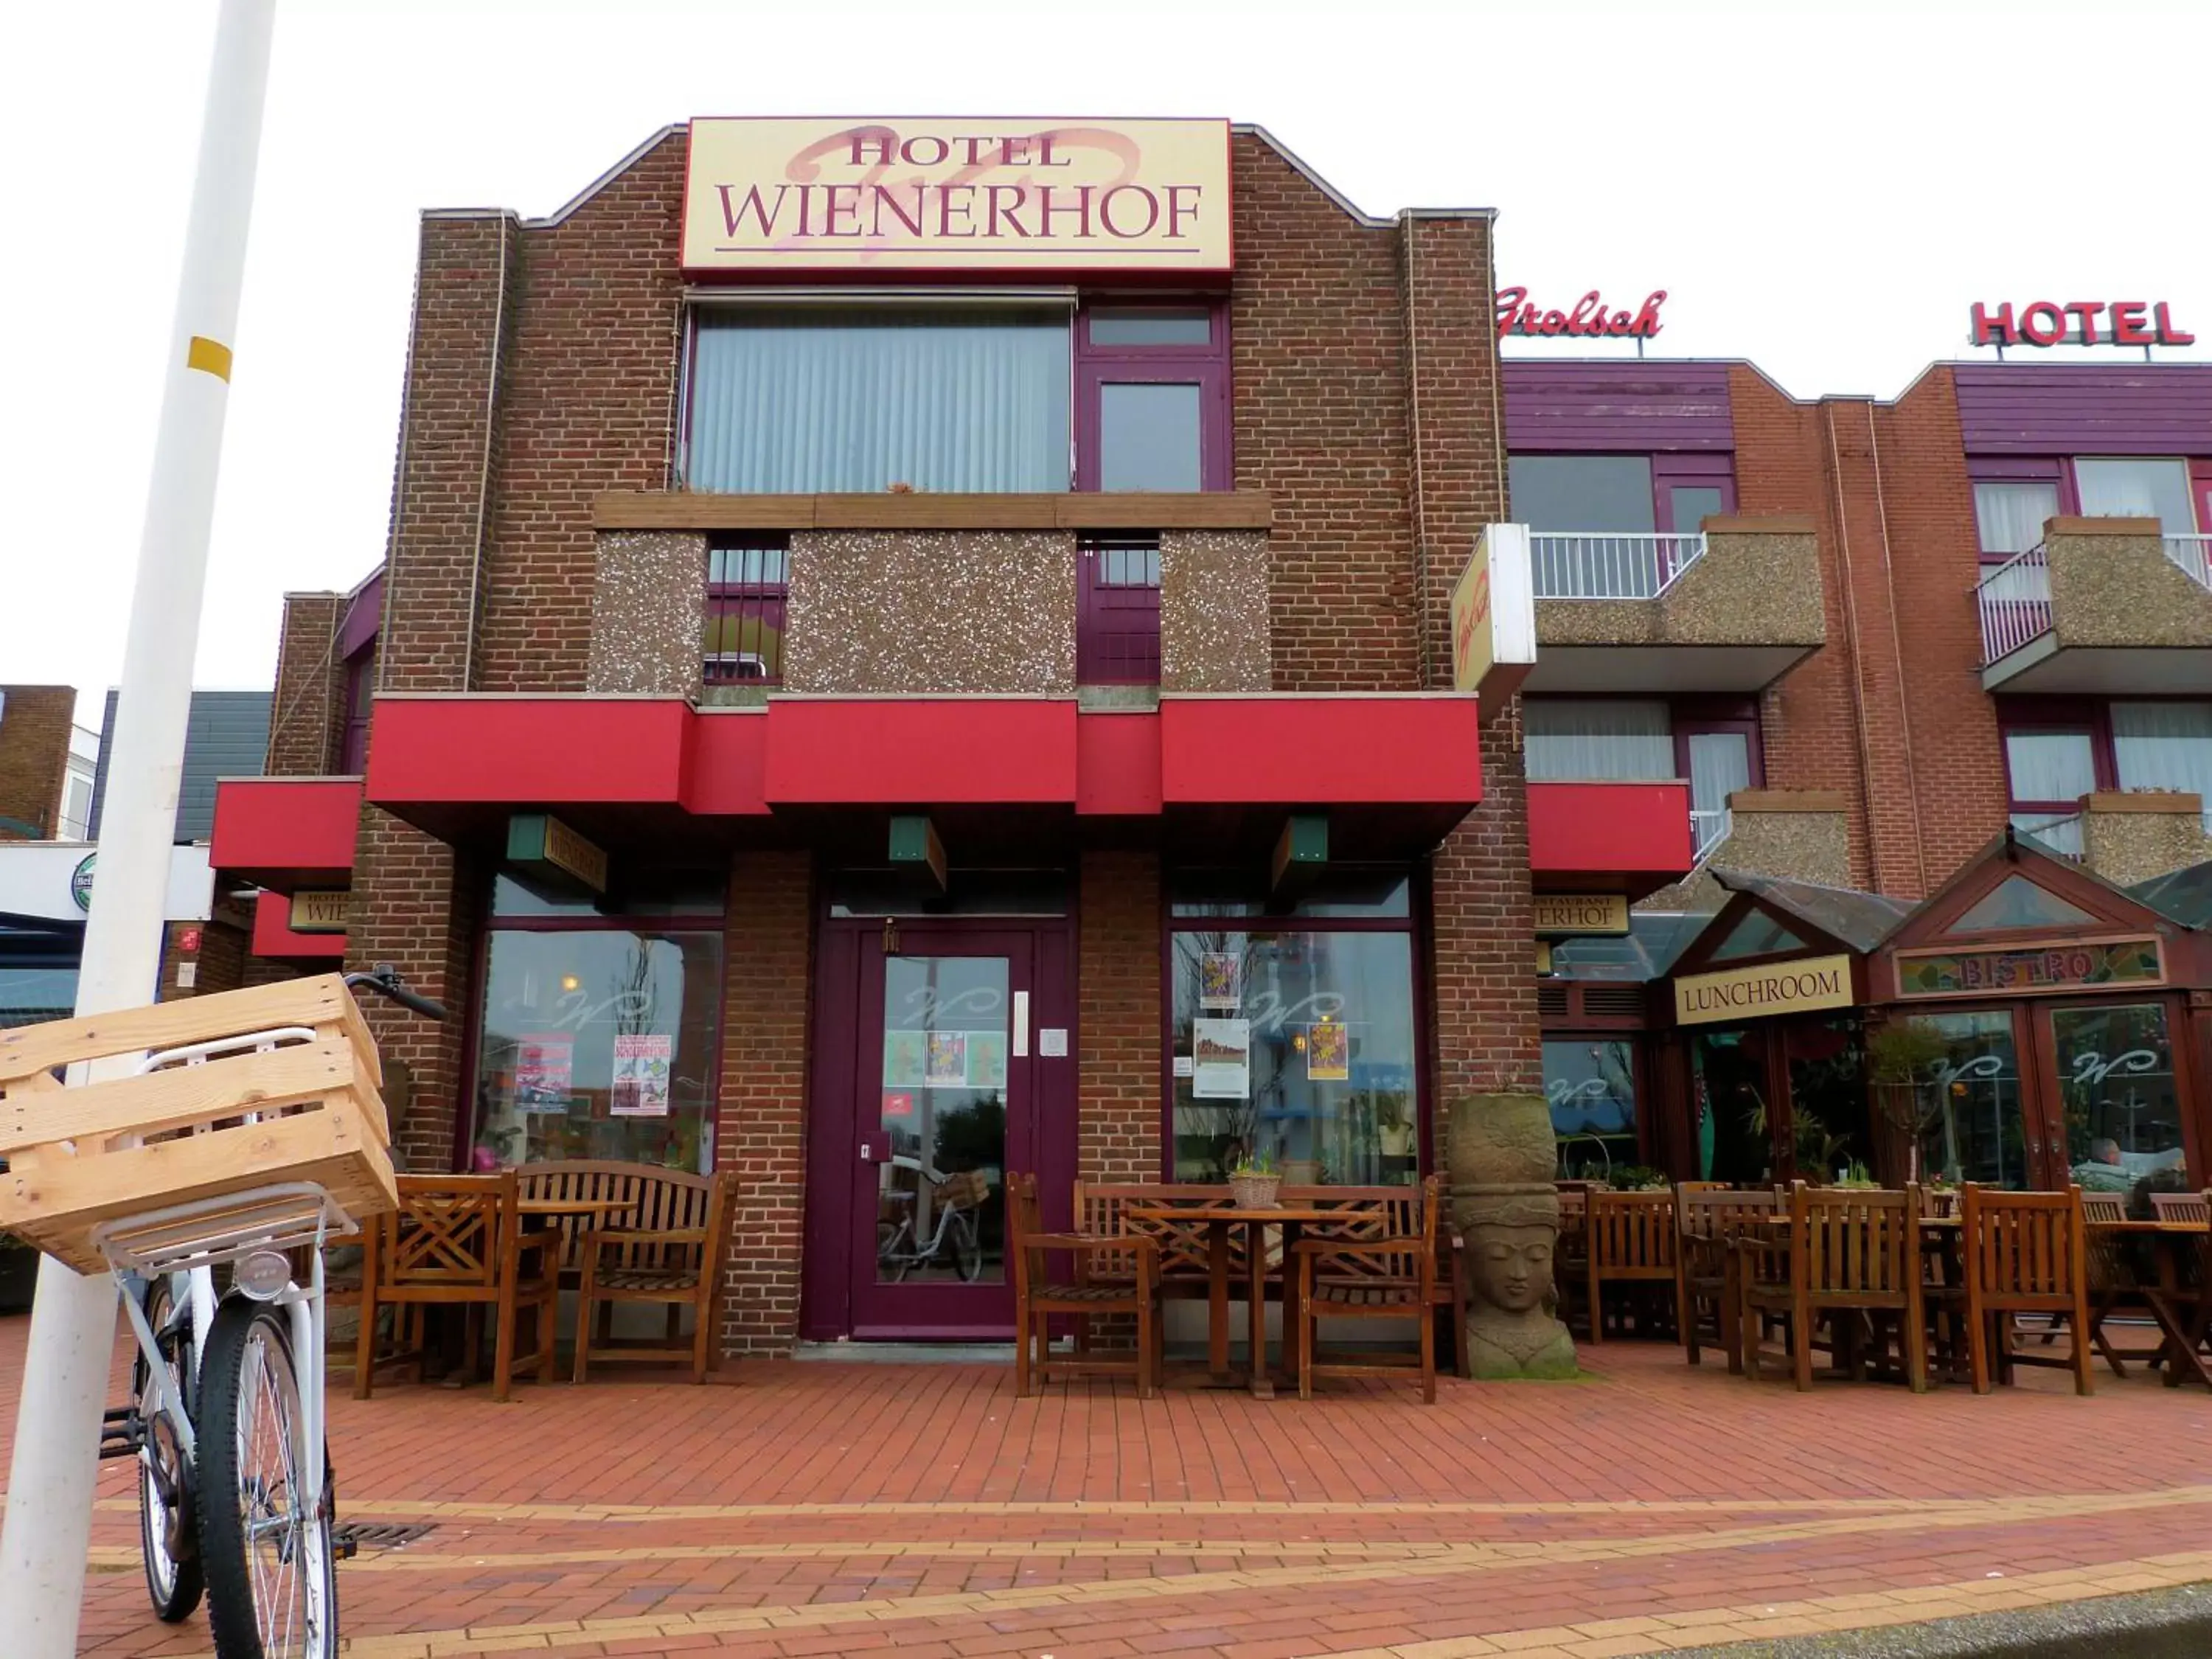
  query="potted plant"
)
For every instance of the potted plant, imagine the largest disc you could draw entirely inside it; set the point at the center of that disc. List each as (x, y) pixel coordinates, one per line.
(1855, 1177)
(19, 1275)
(1254, 1180)
(1639, 1178)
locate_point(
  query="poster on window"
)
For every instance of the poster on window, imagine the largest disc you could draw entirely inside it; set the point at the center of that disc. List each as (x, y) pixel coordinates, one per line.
(986, 1059)
(906, 1057)
(1328, 1052)
(1221, 1059)
(544, 1064)
(640, 1081)
(1221, 980)
(948, 1060)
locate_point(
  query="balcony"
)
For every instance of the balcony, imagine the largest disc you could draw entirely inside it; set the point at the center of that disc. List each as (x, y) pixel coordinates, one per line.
(2102, 607)
(286, 833)
(2126, 836)
(1608, 837)
(1732, 608)
(1793, 834)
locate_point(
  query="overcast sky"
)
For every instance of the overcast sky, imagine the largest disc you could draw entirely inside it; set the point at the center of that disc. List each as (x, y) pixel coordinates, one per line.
(1823, 190)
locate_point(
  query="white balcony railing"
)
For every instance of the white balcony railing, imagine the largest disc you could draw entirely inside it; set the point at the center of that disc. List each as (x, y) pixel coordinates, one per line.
(1608, 567)
(1709, 829)
(2015, 601)
(2059, 833)
(2193, 555)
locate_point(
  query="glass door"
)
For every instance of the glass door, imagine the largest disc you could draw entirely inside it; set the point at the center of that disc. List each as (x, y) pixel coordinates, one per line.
(2119, 1098)
(942, 1111)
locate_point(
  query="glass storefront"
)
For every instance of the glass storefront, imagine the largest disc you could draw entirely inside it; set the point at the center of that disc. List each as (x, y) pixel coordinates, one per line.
(940, 1196)
(596, 1040)
(1296, 1042)
(2117, 1092)
(1591, 1084)
(1970, 1117)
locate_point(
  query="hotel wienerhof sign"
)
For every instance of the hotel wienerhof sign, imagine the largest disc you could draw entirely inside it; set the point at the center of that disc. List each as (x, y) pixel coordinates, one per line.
(956, 194)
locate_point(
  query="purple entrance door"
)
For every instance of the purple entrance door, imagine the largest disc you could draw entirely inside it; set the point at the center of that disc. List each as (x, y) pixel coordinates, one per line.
(944, 1061)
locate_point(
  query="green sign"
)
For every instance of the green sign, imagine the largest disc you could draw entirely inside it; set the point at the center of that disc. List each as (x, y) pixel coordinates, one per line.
(2047, 968)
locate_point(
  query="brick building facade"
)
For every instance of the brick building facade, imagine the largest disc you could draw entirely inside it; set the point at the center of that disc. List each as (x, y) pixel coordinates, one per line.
(843, 736)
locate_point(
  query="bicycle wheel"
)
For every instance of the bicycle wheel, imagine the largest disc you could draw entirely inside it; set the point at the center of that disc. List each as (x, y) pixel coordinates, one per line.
(271, 1580)
(967, 1245)
(168, 1538)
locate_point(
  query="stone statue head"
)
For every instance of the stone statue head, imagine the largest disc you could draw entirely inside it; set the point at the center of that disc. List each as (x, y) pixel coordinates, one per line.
(1512, 1266)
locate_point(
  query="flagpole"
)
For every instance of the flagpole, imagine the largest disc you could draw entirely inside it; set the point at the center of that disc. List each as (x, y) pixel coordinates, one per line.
(48, 1527)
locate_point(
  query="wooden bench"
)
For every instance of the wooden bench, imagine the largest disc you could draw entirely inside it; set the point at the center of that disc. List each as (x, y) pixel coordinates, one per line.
(1102, 1210)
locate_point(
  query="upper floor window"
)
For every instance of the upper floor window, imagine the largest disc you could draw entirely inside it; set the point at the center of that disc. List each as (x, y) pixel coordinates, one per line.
(862, 400)
(1713, 742)
(2014, 499)
(747, 582)
(2058, 750)
(958, 396)
(2010, 515)
(1619, 494)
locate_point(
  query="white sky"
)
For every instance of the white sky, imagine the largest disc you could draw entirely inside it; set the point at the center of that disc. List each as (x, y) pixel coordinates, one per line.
(1823, 190)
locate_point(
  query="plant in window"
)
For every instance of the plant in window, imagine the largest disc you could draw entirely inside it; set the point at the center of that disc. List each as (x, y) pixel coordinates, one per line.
(1639, 1178)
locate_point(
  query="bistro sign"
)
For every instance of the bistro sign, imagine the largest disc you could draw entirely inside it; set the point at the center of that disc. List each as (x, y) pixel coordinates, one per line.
(2072, 967)
(956, 194)
(1785, 987)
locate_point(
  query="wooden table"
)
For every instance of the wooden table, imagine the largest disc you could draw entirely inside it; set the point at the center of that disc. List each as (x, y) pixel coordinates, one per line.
(1218, 1220)
(2185, 1331)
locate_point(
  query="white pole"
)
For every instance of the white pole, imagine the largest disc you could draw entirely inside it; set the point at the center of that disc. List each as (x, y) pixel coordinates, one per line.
(50, 1481)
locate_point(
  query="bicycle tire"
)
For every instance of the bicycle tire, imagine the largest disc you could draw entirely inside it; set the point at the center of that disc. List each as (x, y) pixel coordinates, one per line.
(265, 1600)
(168, 1535)
(966, 1246)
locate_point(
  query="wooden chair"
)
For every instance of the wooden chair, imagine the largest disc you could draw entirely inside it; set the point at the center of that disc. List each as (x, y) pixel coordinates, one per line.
(676, 1262)
(1850, 1252)
(458, 1240)
(1571, 1256)
(2194, 1208)
(2025, 1253)
(1708, 1223)
(1038, 1294)
(1392, 1276)
(1631, 1241)
(639, 1188)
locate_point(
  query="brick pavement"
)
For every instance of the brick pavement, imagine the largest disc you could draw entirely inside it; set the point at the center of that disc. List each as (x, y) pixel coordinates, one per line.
(844, 1509)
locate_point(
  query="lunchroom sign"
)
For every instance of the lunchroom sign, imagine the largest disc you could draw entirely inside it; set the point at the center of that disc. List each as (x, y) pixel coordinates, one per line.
(952, 193)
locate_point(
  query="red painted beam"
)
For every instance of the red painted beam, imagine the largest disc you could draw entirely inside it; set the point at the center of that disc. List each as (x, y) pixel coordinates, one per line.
(285, 832)
(1321, 750)
(921, 752)
(1608, 837)
(528, 751)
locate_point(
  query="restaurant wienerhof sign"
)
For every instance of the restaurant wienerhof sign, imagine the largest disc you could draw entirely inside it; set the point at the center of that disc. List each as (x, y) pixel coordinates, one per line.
(1575, 915)
(956, 194)
(1781, 987)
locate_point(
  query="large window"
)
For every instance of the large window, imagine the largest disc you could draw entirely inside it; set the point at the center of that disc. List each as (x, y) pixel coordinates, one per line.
(600, 1032)
(1619, 494)
(2132, 487)
(1712, 741)
(2010, 516)
(1591, 1083)
(2015, 497)
(852, 398)
(2058, 750)
(1296, 1037)
(1152, 397)
(2117, 1088)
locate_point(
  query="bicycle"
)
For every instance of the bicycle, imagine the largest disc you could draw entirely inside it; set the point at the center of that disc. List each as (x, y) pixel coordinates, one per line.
(955, 1199)
(236, 1498)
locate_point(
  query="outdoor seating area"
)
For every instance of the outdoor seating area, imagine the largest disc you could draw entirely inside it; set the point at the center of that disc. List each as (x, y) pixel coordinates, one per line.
(509, 1244)
(1920, 1286)
(1318, 1254)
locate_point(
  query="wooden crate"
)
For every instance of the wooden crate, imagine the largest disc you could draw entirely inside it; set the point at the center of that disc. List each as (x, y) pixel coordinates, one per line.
(70, 1169)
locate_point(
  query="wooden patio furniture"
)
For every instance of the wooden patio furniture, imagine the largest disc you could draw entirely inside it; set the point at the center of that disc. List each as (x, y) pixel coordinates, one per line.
(1571, 1256)
(674, 1258)
(1360, 1273)
(1039, 1293)
(1631, 1241)
(1708, 1222)
(459, 1241)
(2193, 1208)
(1845, 1253)
(2024, 1253)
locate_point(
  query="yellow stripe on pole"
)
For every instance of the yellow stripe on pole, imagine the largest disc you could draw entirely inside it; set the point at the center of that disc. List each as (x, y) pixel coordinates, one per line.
(210, 356)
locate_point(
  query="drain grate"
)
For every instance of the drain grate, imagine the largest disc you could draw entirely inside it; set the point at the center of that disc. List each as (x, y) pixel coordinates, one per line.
(379, 1535)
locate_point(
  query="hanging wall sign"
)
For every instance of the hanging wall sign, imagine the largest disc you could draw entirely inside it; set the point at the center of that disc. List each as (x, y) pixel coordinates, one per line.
(956, 194)
(1588, 319)
(1566, 916)
(2078, 322)
(1493, 617)
(1783, 988)
(540, 842)
(321, 911)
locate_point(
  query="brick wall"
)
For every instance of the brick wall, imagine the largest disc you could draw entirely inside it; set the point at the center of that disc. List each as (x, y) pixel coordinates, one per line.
(218, 958)
(306, 720)
(1118, 1016)
(760, 1131)
(34, 738)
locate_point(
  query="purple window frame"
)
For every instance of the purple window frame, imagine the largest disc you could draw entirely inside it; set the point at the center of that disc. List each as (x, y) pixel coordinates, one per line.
(1671, 472)
(1117, 627)
(1205, 366)
(2089, 717)
(352, 741)
(1701, 716)
(2021, 470)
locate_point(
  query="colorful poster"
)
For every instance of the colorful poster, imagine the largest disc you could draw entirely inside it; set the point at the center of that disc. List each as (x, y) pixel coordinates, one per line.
(1221, 980)
(986, 1059)
(948, 1060)
(1221, 1059)
(906, 1055)
(544, 1064)
(1328, 1052)
(641, 1070)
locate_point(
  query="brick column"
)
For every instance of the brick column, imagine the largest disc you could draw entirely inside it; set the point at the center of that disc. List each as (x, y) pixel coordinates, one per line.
(1118, 1016)
(35, 741)
(1482, 968)
(309, 711)
(760, 1113)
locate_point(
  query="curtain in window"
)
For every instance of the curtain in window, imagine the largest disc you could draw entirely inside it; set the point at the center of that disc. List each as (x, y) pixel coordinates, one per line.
(1583, 741)
(2136, 490)
(1720, 764)
(2164, 745)
(846, 398)
(2011, 516)
(2050, 765)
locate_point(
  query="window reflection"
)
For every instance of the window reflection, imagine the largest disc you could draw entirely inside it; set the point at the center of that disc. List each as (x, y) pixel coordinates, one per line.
(1969, 1125)
(1591, 1083)
(2116, 1087)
